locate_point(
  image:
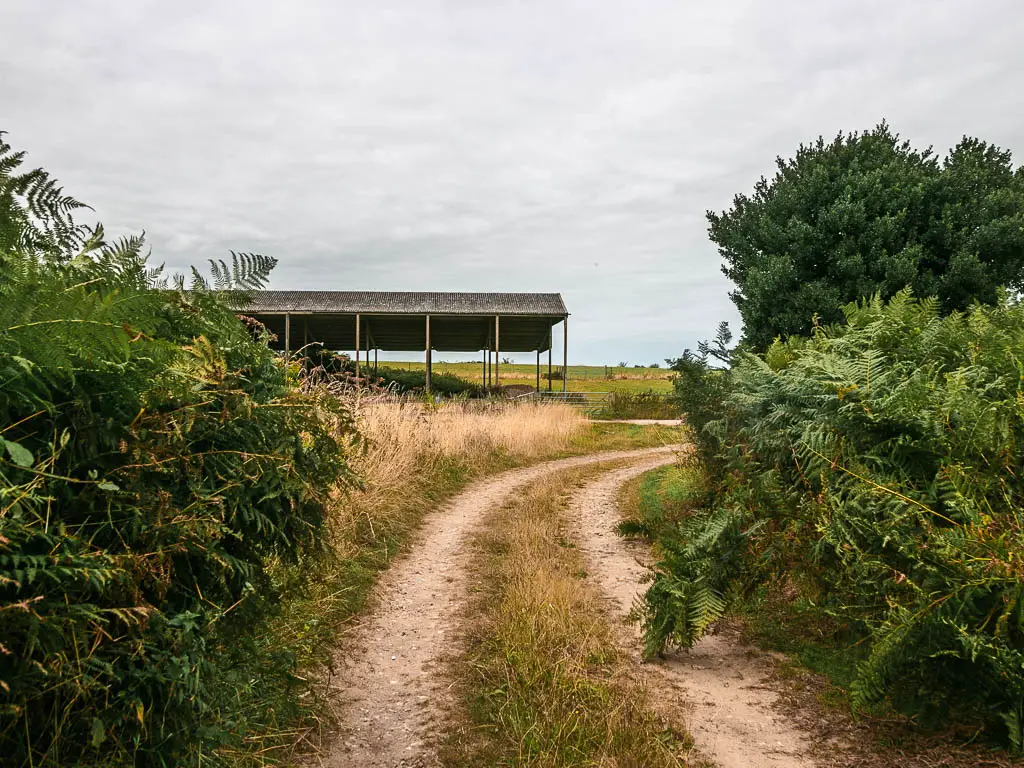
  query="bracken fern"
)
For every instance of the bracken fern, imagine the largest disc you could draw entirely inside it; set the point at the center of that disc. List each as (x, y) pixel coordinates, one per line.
(154, 457)
(880, 463)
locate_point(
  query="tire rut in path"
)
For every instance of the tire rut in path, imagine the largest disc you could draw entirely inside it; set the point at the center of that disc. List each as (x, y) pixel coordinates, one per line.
(391, 684)
(729, 712)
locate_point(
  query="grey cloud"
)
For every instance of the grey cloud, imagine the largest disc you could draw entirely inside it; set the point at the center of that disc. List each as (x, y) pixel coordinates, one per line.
(496, 145)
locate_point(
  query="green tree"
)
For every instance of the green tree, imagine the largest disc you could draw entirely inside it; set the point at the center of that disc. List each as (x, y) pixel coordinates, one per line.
(867, 213)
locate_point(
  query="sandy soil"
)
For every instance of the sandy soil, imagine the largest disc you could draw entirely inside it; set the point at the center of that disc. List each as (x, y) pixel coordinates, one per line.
(731, 713)
(391, 682)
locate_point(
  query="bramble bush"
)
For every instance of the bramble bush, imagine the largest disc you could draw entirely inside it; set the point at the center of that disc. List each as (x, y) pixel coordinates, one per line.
(154, 458)
(874, 467)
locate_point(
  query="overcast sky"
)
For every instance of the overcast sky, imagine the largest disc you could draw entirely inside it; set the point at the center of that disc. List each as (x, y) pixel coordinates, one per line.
(484, 145)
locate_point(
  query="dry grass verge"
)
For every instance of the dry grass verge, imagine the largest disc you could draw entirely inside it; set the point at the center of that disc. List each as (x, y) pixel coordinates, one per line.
(543, 682)
(416, 457)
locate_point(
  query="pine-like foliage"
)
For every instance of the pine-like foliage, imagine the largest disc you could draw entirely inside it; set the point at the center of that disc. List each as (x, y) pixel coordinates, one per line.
(867, 213)
(879, 463)
(154, 457)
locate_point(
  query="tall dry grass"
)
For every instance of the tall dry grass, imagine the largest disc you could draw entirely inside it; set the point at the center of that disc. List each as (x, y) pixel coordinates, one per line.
(401, 433)
(413, 458)
(417, 454)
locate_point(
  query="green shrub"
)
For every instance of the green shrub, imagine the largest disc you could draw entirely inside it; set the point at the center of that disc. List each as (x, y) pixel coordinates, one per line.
(155, 457)
(699, 391)
(440, 383)
(877, 465)
(639, 405)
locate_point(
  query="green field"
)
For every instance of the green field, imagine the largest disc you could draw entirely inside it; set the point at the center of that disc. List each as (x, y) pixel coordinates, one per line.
(582, 378)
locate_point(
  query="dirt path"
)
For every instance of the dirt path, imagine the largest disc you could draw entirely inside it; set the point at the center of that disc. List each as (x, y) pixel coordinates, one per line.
(390, 682)
(730, 714)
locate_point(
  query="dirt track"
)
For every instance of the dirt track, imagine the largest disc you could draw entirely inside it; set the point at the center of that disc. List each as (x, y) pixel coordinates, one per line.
(390, 681)
(392, 685)
(724, 683)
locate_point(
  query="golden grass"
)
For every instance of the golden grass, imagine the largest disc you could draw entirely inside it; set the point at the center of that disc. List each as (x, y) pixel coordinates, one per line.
(471, 430)
(543, 682)
(416, 457)
(417, 454)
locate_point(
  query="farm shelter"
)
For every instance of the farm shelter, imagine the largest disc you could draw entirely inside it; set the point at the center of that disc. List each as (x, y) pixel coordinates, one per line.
(367, 321)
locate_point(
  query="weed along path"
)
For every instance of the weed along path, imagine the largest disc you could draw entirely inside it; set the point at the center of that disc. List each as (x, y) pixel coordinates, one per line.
(724, 683)
(390, 682)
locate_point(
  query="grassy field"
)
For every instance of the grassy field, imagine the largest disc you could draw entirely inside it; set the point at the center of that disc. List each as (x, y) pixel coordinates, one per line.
(582, 378)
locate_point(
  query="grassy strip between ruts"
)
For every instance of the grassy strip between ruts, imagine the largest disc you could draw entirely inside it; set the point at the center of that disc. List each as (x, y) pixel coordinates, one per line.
(814, 679)
(409, 473)
(542, 682)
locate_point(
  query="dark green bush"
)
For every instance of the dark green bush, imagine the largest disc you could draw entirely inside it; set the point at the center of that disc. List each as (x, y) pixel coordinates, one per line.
(154, 457)
(876, 465)
(416, 381)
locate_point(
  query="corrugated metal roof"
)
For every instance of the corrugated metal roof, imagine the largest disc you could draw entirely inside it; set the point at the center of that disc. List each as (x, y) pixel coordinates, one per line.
(408, 303)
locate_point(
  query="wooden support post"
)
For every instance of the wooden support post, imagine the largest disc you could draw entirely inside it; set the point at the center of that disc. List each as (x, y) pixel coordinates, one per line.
(487, 359)
(371, 343)
(565, 354)
(551, 335)
(428, 355)
(358, 323)
(287, 334)
(305, 331)
(538, 369)
(497, 350)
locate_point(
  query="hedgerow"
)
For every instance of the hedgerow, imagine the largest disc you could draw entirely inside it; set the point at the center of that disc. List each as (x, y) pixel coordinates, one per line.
(154, 458)
(874, 467)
